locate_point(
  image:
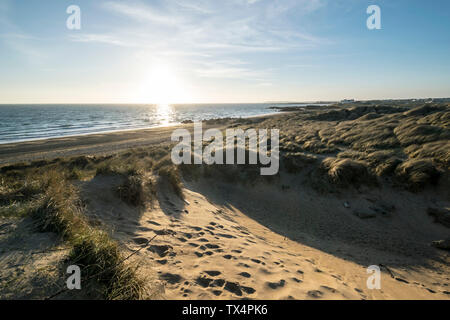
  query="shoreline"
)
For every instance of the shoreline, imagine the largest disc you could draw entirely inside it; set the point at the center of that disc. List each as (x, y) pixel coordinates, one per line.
(99, 143)
(130, 129)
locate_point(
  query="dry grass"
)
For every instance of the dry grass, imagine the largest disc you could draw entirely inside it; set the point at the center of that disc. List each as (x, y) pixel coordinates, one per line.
(138, 189)
(417, 174)
(44, 193)
(60, 211)
(386, 137)
(296, 161)
(347, 172)
(171, 174)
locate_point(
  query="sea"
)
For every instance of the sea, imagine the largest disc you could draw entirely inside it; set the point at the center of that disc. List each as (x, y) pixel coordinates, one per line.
(43, 121)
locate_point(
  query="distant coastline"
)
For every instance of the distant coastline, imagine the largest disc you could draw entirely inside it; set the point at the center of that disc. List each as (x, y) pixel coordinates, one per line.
(22, 123)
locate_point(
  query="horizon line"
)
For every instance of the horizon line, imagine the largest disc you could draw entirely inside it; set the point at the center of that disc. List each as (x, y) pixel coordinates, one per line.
(191, 103)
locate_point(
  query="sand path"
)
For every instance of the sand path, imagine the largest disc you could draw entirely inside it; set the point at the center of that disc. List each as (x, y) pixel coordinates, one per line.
(207, 251)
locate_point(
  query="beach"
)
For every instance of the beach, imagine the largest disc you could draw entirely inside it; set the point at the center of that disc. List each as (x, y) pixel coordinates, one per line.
(313, 231)
(96, 143)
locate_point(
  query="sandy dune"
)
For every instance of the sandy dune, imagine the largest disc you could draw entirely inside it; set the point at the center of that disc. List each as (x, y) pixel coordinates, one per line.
(29, 260)
(207, 248)
(281, 238)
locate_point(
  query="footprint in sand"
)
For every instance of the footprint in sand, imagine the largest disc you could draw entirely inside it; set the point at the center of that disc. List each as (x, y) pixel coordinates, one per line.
(212, 246)
(248, 290)
(140, 240)
(338, 277)
(203, 281)
(186, 291)
(315, 294)
(164, 232)
(265, 271)
(245, 274)
(401, 280)
(332, 290)
(213, 273)
(162, 250)
(233, 287)
(218, 283)
(258, 261)
(225, 235)
(237, 289)
(171, 278)
(276, 285)
(241, 264)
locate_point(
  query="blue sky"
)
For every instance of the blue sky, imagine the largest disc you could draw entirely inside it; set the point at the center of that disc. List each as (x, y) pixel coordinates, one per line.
(222, 51)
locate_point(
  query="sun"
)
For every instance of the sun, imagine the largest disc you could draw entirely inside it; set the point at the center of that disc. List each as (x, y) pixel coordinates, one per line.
(162, 86)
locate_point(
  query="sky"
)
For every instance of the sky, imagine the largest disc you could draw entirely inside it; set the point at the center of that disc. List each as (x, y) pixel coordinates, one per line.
(200, 51)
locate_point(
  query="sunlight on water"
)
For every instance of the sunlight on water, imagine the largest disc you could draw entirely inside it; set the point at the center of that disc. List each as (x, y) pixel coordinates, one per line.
(164, 114)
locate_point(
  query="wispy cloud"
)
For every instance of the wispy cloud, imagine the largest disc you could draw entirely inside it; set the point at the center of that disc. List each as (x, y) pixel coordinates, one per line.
(231, 26)
(210, 29)
(141, 12)
(229, 69)
(99, 38)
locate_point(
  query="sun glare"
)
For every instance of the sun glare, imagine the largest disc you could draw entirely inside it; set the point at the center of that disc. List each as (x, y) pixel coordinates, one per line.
(164, 114)
(162, 86)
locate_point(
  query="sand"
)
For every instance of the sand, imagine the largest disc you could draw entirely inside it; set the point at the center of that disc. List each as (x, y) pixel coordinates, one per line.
(217, 244)
(230, 241)
(29, 260)
(98, 144)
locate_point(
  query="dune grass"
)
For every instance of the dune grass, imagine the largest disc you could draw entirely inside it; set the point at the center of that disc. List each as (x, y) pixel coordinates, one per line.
(53, 202)
(337, 148)
(406, 143)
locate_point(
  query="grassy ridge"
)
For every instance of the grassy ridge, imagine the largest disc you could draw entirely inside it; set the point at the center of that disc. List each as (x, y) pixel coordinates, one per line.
(54, 204)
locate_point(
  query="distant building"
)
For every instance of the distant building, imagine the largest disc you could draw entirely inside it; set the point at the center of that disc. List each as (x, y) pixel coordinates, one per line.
(347, 100)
